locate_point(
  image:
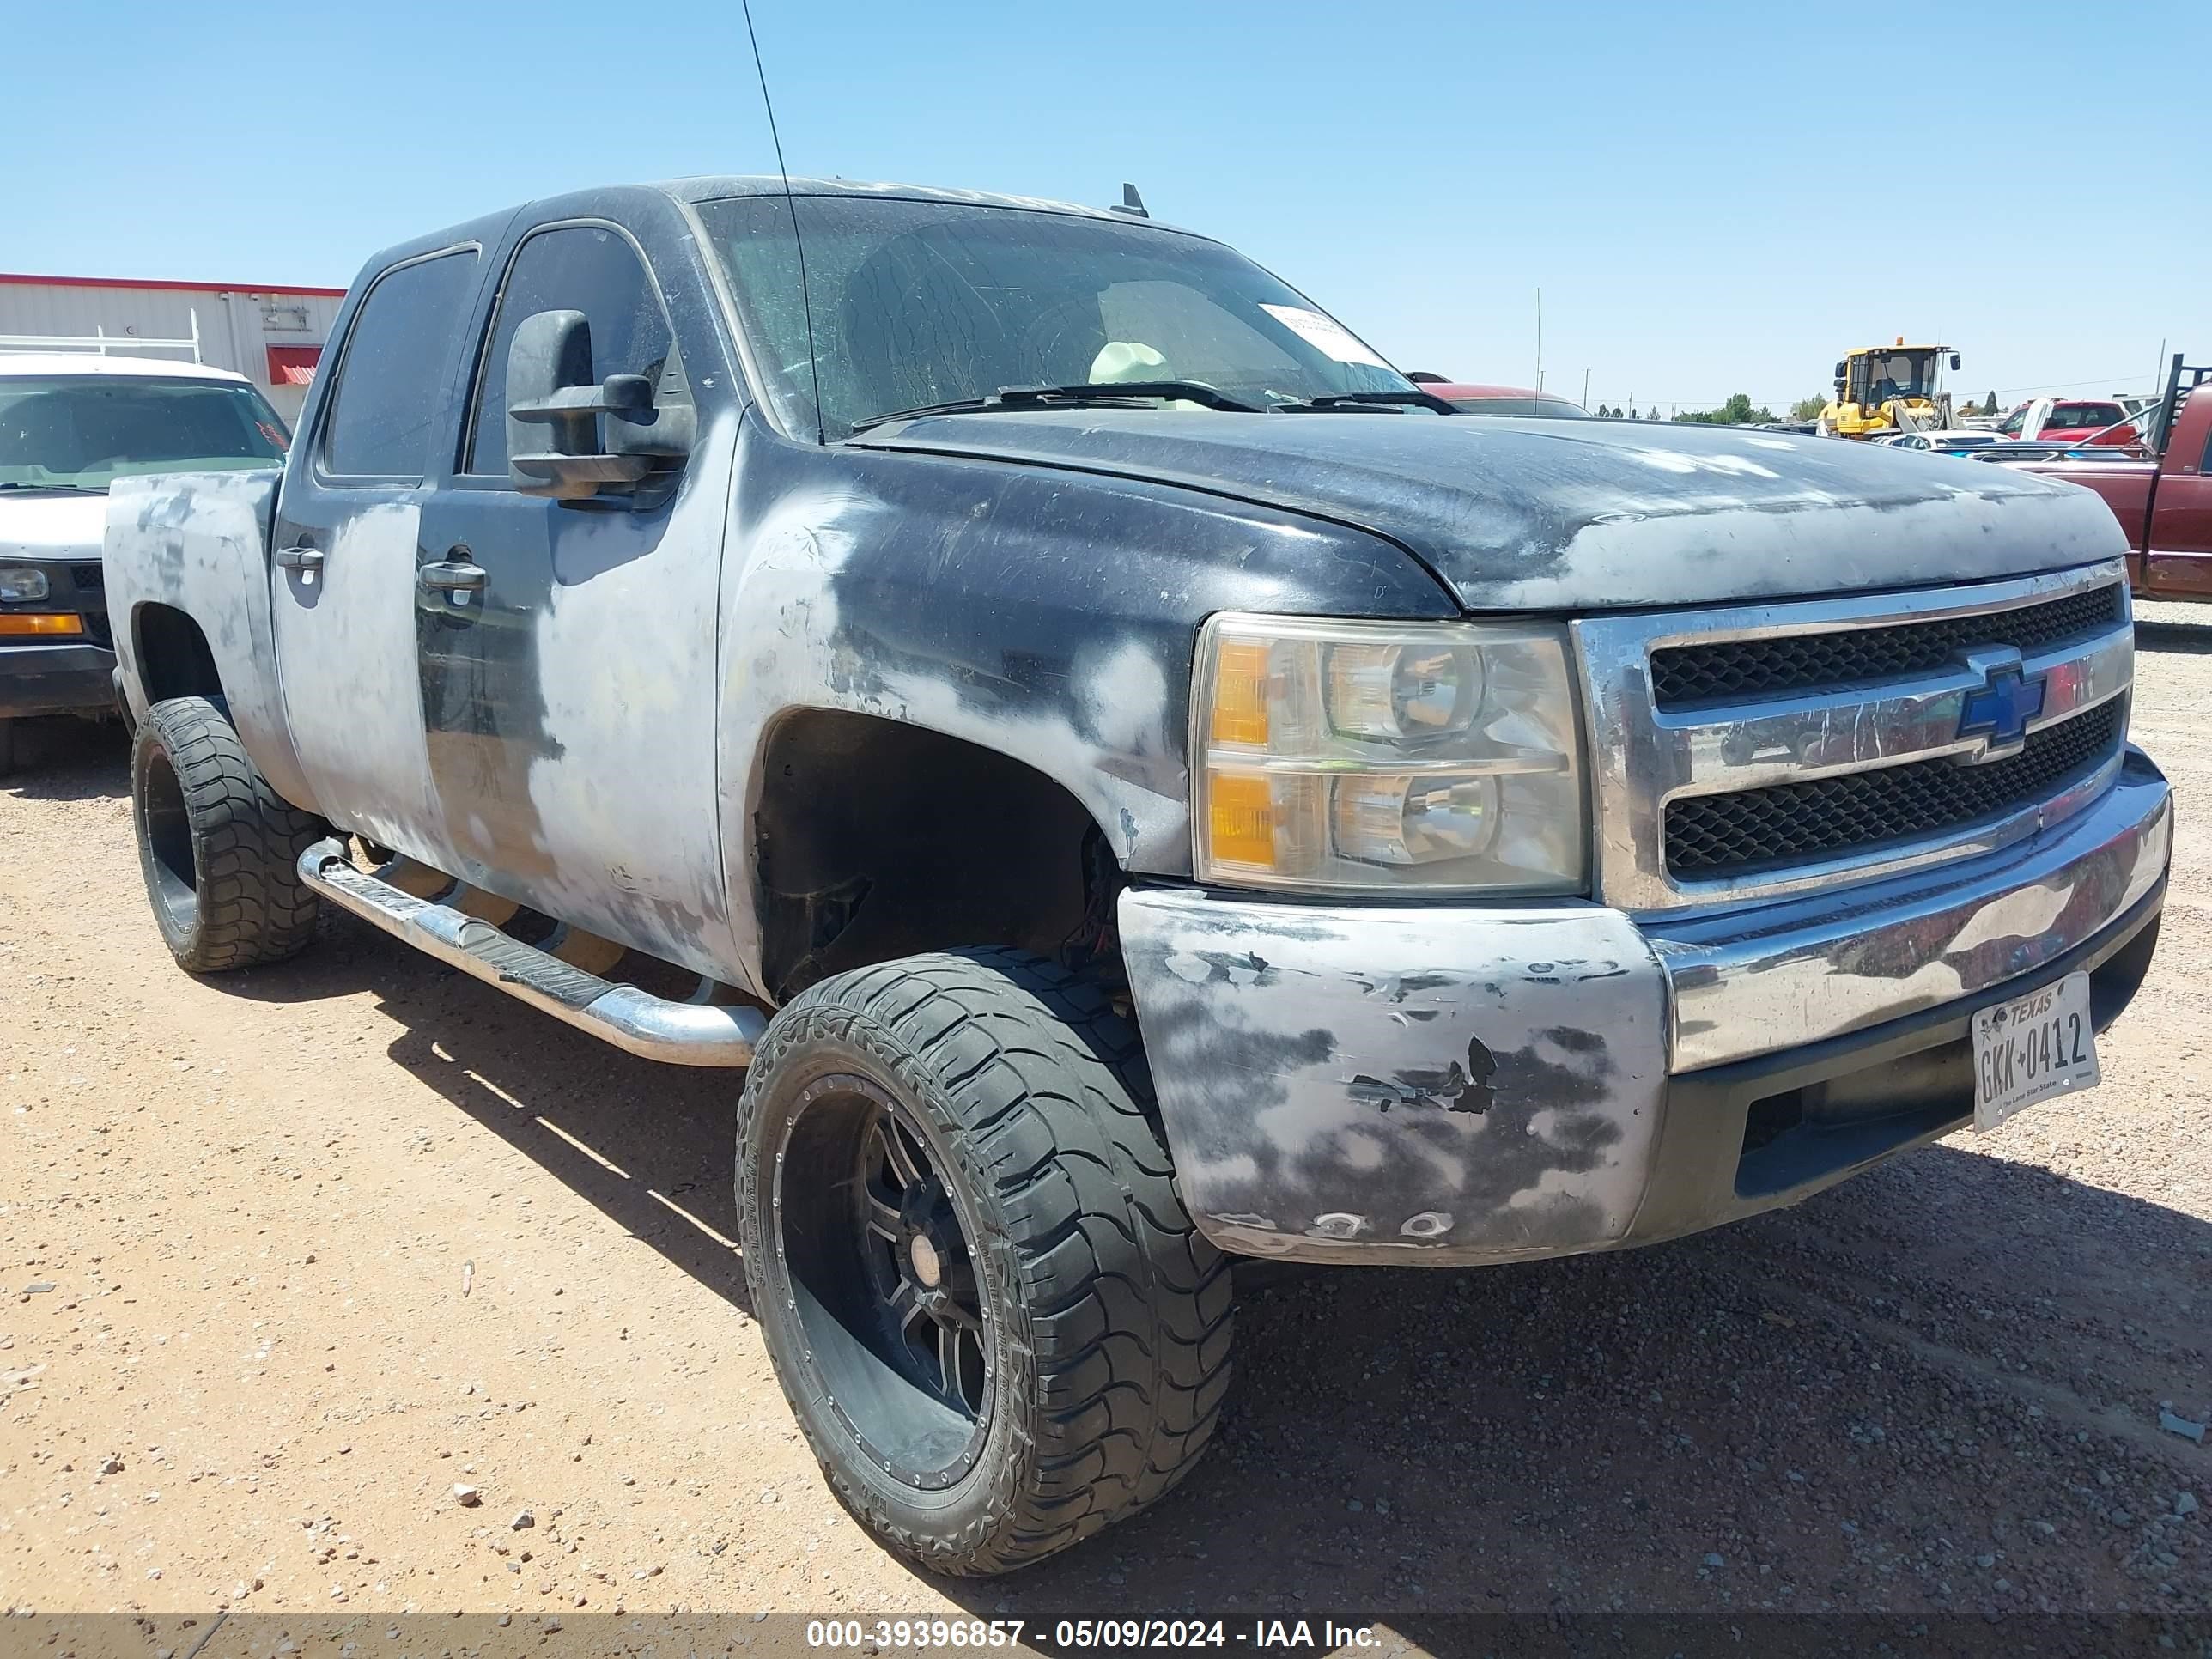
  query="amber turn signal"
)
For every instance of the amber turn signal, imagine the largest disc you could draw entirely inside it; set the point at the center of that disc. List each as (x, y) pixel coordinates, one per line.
(45, 623)
(1241, 808)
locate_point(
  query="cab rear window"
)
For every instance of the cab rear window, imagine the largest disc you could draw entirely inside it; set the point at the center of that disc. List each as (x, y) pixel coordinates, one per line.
(2087, 415)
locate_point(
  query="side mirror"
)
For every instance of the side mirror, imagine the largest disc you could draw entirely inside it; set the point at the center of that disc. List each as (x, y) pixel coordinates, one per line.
(549, 390)
(1954, 360)
(1839, 374)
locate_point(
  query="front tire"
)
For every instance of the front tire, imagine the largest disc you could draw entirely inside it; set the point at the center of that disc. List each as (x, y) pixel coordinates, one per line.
(6, 747)
(219, 847)
(997, 1325)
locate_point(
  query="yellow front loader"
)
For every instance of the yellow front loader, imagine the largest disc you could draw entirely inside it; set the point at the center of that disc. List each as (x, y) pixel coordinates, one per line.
(1887, 389)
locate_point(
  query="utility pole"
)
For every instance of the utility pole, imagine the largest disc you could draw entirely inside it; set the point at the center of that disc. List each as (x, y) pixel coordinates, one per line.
(1539, 339)
(1586, 374)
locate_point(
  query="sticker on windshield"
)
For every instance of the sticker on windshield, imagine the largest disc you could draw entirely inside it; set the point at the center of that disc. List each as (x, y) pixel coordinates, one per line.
(1326, 334)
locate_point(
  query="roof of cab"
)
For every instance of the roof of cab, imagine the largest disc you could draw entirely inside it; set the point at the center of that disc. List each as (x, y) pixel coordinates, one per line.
(710, 187)
(16, 364)
(490, 228)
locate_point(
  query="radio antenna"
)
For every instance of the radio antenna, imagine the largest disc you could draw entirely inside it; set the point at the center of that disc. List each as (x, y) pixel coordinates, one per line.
(805, 299)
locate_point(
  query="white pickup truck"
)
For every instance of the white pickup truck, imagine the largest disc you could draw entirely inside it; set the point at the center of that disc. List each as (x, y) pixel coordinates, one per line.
(1137, 780)
(71, 424)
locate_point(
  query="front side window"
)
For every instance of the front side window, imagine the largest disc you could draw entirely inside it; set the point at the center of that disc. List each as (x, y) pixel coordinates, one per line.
(84, 431)
(917, 303)
(388, 399)
(586, 268)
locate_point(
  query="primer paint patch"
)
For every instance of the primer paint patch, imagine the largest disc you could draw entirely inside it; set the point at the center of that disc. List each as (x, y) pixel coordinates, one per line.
(1674, 460)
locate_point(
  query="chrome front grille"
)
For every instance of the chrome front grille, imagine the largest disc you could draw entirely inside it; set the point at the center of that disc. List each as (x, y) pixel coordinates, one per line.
(1726, 671)
(1764, 750)
(1762, 829)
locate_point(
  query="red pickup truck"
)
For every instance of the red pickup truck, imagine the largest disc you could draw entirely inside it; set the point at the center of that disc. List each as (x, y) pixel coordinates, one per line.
(2165, 504)
(2068, 421)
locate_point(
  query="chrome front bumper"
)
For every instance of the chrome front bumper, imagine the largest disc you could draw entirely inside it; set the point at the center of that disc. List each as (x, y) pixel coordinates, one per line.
(1802, 969)
(1450, 1084)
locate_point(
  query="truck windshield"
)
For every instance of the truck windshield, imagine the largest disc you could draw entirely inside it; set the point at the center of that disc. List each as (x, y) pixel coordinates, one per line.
(84, 431)
(919, 303)
(1898, 374)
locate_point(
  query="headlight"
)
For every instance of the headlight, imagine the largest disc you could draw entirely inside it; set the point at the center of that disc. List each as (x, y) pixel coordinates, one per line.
(1386, 757)
(18, 586)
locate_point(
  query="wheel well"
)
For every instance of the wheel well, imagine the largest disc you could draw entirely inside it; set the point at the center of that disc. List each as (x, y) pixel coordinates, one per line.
(875, 839)
(173, 658)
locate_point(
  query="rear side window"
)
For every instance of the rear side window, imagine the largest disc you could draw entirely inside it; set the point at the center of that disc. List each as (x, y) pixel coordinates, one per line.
(586, 268)
(385, 406)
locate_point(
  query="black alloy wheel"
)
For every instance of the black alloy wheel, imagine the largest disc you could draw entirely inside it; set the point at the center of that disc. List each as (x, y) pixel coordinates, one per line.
(998, 1327)
(885, 1282)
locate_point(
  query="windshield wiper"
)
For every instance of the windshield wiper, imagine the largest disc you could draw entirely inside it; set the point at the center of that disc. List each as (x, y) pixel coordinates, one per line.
(1090, 395)
(77, 489)
(1413, 398)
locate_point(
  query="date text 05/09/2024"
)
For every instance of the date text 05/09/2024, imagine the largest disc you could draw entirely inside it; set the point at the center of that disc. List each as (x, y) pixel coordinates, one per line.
(900, 1635)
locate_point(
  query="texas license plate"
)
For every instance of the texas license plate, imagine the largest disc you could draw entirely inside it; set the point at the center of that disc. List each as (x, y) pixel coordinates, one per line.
(2032, 1048)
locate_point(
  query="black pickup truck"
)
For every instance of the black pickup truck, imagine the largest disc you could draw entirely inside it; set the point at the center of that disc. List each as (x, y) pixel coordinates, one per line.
(1134, 779)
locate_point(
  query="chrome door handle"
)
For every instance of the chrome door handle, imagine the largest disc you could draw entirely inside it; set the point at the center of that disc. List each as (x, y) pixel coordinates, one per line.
(450, 578)
(301, 558)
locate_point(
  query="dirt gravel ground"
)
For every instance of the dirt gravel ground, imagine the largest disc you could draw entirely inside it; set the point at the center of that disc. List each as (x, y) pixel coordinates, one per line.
(289, 1256)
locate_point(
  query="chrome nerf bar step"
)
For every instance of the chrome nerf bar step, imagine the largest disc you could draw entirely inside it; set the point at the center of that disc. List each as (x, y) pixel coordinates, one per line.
(682, 1033)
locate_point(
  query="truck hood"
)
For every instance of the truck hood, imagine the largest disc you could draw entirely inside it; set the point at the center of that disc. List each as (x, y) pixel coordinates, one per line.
(1580, 516)
(65, 525)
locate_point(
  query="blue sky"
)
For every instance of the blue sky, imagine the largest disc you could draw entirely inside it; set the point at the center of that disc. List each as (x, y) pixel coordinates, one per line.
(1713, 197)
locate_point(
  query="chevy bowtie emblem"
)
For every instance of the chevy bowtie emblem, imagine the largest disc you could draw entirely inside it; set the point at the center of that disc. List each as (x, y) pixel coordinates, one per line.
(2001, 707)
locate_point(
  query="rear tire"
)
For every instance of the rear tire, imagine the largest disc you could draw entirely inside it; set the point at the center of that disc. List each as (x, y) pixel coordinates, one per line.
(6, 747)
(219, 848)
(997, 1324)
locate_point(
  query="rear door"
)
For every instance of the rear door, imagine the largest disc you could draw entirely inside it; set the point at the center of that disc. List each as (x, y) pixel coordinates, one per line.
(568, 696)
(348, 542)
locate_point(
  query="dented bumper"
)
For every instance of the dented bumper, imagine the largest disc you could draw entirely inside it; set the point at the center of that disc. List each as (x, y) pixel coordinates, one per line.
(1451, 1085)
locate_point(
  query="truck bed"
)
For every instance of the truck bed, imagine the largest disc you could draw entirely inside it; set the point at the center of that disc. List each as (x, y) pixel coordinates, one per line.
(198, 544)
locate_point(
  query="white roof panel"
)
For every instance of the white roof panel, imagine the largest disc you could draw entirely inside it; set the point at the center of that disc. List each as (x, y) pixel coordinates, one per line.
(14, 364)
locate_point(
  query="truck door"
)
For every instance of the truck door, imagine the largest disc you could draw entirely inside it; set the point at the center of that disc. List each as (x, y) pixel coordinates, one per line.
(566, 649)
(2179, 556)
(346, 537)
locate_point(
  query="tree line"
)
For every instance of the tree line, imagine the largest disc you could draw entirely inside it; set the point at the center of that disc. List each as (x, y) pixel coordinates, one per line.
(1739, 411)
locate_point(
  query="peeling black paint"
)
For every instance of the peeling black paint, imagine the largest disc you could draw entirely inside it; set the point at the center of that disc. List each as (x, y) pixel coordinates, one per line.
(1073, 605)
(1455, 1089)
(1224, 967)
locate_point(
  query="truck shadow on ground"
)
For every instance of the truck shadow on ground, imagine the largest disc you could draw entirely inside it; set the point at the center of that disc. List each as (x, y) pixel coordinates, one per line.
(67, 759)
(1852, 1405)
(2189, 638)
(650, 1145)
